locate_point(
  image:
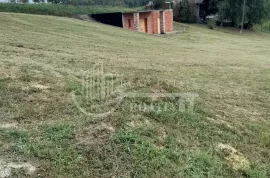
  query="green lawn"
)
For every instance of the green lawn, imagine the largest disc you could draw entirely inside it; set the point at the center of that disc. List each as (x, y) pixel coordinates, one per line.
(43, 59)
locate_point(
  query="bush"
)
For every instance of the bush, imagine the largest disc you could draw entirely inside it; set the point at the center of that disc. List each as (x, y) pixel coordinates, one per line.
(211, 23)
(58, 9)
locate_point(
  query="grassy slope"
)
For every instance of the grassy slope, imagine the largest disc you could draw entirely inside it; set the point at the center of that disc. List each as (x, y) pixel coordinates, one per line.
(230, 73)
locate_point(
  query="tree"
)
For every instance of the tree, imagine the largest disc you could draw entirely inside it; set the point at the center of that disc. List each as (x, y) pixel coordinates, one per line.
(266, 9)
(223, 12)
(184, 12)
(231, 10)
(158, 4)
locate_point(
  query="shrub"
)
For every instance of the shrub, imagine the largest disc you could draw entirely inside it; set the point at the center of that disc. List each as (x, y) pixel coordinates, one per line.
(183, 12)
(211, 23)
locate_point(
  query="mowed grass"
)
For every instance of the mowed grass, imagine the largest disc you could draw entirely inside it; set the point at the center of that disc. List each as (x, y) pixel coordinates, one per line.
(43, 59)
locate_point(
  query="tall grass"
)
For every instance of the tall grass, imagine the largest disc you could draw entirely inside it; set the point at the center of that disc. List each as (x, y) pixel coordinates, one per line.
(58, 9)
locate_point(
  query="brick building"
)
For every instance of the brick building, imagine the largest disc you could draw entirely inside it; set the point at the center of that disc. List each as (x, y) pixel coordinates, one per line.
(151, 22)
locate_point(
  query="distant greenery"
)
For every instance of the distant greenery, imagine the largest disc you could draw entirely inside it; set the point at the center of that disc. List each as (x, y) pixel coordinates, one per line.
(58, 9)
(263, 27)
(184, 12)
(211, 23)
(256, 12)
(127, 3)
(232, 10)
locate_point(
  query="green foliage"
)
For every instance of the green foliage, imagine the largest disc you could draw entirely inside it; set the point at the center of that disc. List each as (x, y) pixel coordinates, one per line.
(231, 10)
(2, 84)
(123, 136)
(147, 160)
(203, 164)
(20, 140)
(255, 172)
(266, 26)
(57, 145)
(72, 86)
(176, 118)
(58, 9)
(183, 12)
(267, 9)
(59, 133)
(158, 4)
(211, 24)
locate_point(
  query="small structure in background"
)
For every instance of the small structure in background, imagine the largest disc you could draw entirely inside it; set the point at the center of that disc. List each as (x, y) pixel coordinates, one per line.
(151, 21)
(156, 18)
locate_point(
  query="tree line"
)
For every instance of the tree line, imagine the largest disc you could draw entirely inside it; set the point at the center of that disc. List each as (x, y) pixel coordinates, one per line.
(227, 11)
(127, 3)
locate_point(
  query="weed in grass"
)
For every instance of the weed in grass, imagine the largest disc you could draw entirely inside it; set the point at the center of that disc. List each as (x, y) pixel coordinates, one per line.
(125, 136)
(19, 139)
(255, 172)
(72, 86)
(57, 145)
(59, 133)
(147, 159)
(203, 164)
(147, 131)
(176, 118)
(2, 84)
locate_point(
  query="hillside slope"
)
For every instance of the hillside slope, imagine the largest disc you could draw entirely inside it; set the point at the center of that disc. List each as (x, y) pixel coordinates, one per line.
(43, 60)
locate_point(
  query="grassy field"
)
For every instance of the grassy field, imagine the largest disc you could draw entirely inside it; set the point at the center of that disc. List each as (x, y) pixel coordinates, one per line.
(59, 9)
(43, 133)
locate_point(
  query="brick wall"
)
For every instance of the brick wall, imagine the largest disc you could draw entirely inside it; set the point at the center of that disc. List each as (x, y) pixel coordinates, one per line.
(128, 17)
(148, 16)
(155, 15)
(152, 21)
(168, 20)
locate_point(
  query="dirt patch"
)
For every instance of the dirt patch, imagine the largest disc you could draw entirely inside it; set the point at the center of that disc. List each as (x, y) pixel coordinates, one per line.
(40, 87)
(94, 134)
(161, 138)
(138, 121)
(9, 125)
(234, 157)
(6, 168)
